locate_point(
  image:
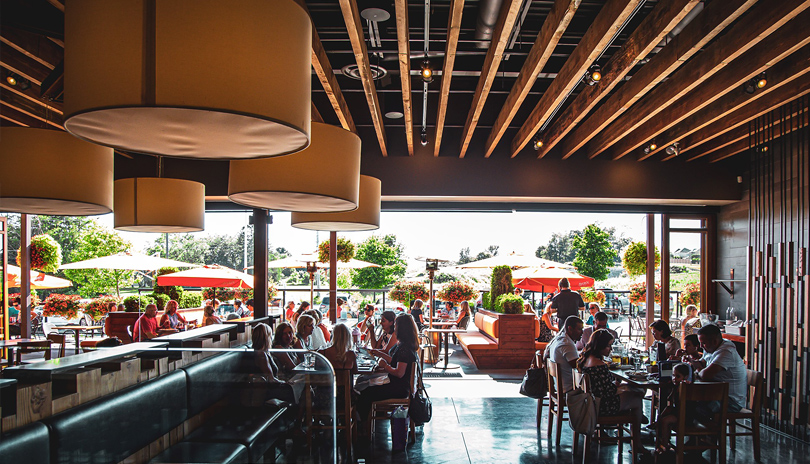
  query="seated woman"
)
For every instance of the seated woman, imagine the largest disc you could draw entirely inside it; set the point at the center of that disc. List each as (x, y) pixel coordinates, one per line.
(317, 340)
(418, 314)
(464, 311)
(210, 318)
(398, 366)
(284, 338)
(388, 339)
(366, 324)
(302, 308)
(662, 333)
(339, 352)
(547, 329)
(691, 322)
(267, 368)
(602, 382)
(303, 332)
(170, 318)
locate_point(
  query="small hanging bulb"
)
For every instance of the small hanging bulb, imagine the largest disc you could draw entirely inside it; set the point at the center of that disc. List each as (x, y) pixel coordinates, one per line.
(424, 137)
(427, 72)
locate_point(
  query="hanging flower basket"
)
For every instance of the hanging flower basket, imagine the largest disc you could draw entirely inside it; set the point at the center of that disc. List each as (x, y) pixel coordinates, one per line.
(406, 292)
(634, 258)
(35, 301)
(638, 293)
(99, 307)
(67, 306)
(456, 292)
(690, 295)
(593, 296)
(46, 253)
(345, 250)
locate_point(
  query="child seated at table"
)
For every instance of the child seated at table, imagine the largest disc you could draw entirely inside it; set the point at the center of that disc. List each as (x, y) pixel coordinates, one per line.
(668, 420)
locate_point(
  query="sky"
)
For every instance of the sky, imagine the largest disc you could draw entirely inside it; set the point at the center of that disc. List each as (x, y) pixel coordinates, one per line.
(435, 235)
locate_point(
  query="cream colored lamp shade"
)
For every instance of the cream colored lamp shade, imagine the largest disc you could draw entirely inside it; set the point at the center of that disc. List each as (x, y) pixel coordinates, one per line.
(189, 78)
(365, 217)
(50, 172)
(323, 178)
(159, 204)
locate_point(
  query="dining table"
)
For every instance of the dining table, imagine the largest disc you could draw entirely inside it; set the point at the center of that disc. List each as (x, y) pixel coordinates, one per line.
(446, 333)
(11, 345)
(78, 329)
(647, 382)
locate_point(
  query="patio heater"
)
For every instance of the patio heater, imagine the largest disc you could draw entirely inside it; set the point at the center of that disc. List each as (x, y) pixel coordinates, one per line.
(431, 266)
(312, 268)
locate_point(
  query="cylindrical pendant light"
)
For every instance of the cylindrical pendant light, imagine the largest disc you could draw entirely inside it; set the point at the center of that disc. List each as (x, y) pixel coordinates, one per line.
(189, 78)
(365, 217)
(323, 178)
(159, 204)
(49, 172)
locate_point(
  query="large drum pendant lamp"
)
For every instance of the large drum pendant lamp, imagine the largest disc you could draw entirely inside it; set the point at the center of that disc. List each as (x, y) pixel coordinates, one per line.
(50, 172)
(158, 204)
(323, 178)
(189, 78)
(365, 217)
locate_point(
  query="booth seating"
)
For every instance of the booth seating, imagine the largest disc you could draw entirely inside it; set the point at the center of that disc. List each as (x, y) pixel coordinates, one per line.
(189, 415)
(505, 341)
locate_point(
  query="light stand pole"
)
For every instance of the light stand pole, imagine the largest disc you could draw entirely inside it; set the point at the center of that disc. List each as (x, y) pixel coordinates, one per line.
(431, 265)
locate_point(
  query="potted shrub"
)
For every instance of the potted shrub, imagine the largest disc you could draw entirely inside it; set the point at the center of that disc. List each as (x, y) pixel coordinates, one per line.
(173, 292)
(456, 292)
(135, 303)
(501, 283)
(67, 306)
(345, 250)
(509, 303)
(690, 294)
(190, 300)
(46, 253)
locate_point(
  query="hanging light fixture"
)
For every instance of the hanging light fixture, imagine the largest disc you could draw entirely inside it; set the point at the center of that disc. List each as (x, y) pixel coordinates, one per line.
(158, 77)
(756, 83)
(159, 204)
(650, 147)
(674, 149)
(426, 72)
(322, 178)
(49, 172)
(593, 75)
(537, 144)
(365, 217)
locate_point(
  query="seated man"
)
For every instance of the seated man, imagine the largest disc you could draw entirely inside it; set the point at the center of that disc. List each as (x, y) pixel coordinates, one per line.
(722, 364)
(600, 321)
(145, 327)
(563, 351)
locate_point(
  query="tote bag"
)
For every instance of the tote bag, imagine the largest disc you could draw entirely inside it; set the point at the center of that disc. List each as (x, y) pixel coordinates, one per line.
(583, 410)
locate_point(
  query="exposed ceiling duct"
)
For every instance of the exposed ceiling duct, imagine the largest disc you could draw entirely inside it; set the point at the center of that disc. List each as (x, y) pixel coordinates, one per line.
(487, 18)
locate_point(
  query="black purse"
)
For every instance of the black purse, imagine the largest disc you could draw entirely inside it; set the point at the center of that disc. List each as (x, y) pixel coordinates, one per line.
(420, 410)
(535, 383)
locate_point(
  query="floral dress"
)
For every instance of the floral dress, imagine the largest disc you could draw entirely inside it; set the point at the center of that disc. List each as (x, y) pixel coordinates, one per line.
(603, 385)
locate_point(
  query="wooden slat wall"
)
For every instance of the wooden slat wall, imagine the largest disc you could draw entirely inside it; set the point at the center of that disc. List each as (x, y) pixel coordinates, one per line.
(779, 237)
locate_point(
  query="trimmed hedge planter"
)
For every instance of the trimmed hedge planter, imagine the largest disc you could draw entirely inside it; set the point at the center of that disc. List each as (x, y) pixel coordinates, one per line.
(516, 340)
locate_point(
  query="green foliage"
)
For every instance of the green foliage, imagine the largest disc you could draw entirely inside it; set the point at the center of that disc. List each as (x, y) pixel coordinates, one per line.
(406, 292)
(226, 250)
(345, 250)
(64, 229)
(634, 258)
(509, 303)
(171, 292)
(160, 300)
(384, 251)
(485, 301)
(595, 254)
(678, 270)
(690, 295)
(134, 303)
(46, 253)
(190, 300)
(443, 278)
(96, 241)
(501, 283)
(560, 247)
(100, 306)
(464, 256)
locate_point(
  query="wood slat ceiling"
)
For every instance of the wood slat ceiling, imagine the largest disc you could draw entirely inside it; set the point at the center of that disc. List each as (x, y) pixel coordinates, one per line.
(673, 71)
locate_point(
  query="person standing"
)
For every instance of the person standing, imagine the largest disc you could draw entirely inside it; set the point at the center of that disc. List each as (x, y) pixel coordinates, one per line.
(290, 310)
(566, 303)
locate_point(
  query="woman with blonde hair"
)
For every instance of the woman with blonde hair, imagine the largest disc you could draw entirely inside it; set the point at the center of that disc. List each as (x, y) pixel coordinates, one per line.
(417, 313)
(170, 318)
(339, 352)
(318, 339)
(210, 318)
(303, 332)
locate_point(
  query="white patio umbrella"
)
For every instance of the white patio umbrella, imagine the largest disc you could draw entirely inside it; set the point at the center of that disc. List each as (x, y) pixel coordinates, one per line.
(514, 260)
(301, 262)
(127, 262)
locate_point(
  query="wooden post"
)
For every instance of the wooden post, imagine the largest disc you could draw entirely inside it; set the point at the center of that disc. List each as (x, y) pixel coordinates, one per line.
(260, 217)
(333, 276)
(650, 277)
(25, 276)
(665, 309)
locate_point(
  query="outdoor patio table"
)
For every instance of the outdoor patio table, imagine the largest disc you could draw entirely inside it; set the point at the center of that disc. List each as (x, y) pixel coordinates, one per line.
(647, 384)
(11, 345)
(446, 333)
(78, 329)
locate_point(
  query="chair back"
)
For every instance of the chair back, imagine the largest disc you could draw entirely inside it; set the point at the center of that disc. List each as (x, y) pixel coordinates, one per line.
(583, 380)
(48, 327)
(34, 347)
(129, 332)
(58, 339)
(553, 377)
(755, 381)
(704, 392)
(462, 324)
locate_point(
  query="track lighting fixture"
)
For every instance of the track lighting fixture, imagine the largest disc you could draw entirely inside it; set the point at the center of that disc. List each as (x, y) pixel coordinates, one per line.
(673, 149)
(537, 144)
(11, 78)
(593, 75)
(424, 137)
(756, 83)
(427, 72)
(650, 147)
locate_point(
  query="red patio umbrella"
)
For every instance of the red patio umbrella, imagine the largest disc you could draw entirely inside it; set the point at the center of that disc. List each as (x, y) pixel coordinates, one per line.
(540, 279)
(207, 276)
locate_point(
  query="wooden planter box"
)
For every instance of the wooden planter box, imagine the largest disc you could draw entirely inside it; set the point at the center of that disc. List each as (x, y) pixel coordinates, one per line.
(515, 339)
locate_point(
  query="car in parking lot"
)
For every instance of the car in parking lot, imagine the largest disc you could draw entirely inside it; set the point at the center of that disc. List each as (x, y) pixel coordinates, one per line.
(324, 307)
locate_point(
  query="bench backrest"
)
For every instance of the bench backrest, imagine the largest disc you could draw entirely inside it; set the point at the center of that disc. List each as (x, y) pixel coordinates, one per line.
(214, 378)
(29, 444)
(487, 325)
(114, 427)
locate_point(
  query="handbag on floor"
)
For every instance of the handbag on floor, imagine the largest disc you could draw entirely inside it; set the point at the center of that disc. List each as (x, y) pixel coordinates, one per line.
(421, 409)
(535, 383)
(583, 410)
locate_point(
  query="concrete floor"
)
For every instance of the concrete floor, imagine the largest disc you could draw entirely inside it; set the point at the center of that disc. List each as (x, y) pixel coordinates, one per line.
(481, 418)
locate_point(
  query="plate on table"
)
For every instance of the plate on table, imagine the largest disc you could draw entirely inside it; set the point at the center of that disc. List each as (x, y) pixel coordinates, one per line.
(625, 367)
(637, 375)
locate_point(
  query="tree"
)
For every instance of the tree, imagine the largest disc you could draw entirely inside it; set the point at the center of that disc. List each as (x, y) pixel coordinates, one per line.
(384, 251)
(64, 229)
(618, 242)
(491, 251)
(560, 247)
(595, 253)
(464, 256)
(94, 242)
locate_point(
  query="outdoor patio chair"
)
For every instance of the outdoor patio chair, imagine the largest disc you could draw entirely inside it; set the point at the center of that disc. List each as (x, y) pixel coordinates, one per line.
(381, 410)
(59, 340)
(710, 433)
(343, 406)
(750, 412)
(38, 346)
(556, 403)
(538, 362)
(627, 422)
(427, 349)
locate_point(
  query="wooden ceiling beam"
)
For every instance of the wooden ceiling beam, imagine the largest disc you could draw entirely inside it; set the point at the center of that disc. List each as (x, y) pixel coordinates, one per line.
(733, 104)
(34, 46)
(712, 92)
(757, 108)
(19, 63)
(729, 151)
(31, 108)
(549, 36)
(323, 69)
(33, 95)
(453, 30)
(10, 114)
(599, 35)
(744, 144)
(315, 114)
(655, 27)
(704, 27)
(760, 21)
(500, 39)
(404, 54)
(354, 26)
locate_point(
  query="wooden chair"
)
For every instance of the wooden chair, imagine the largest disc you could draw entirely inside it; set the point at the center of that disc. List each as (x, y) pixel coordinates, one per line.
(344, 381)
(59, 340)
(538, 361)
(617, 422)
(381, 410)
(751, 412)
(707, 429)
(556, 401)
(38, 346)
(129, 332)
(427, 349)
